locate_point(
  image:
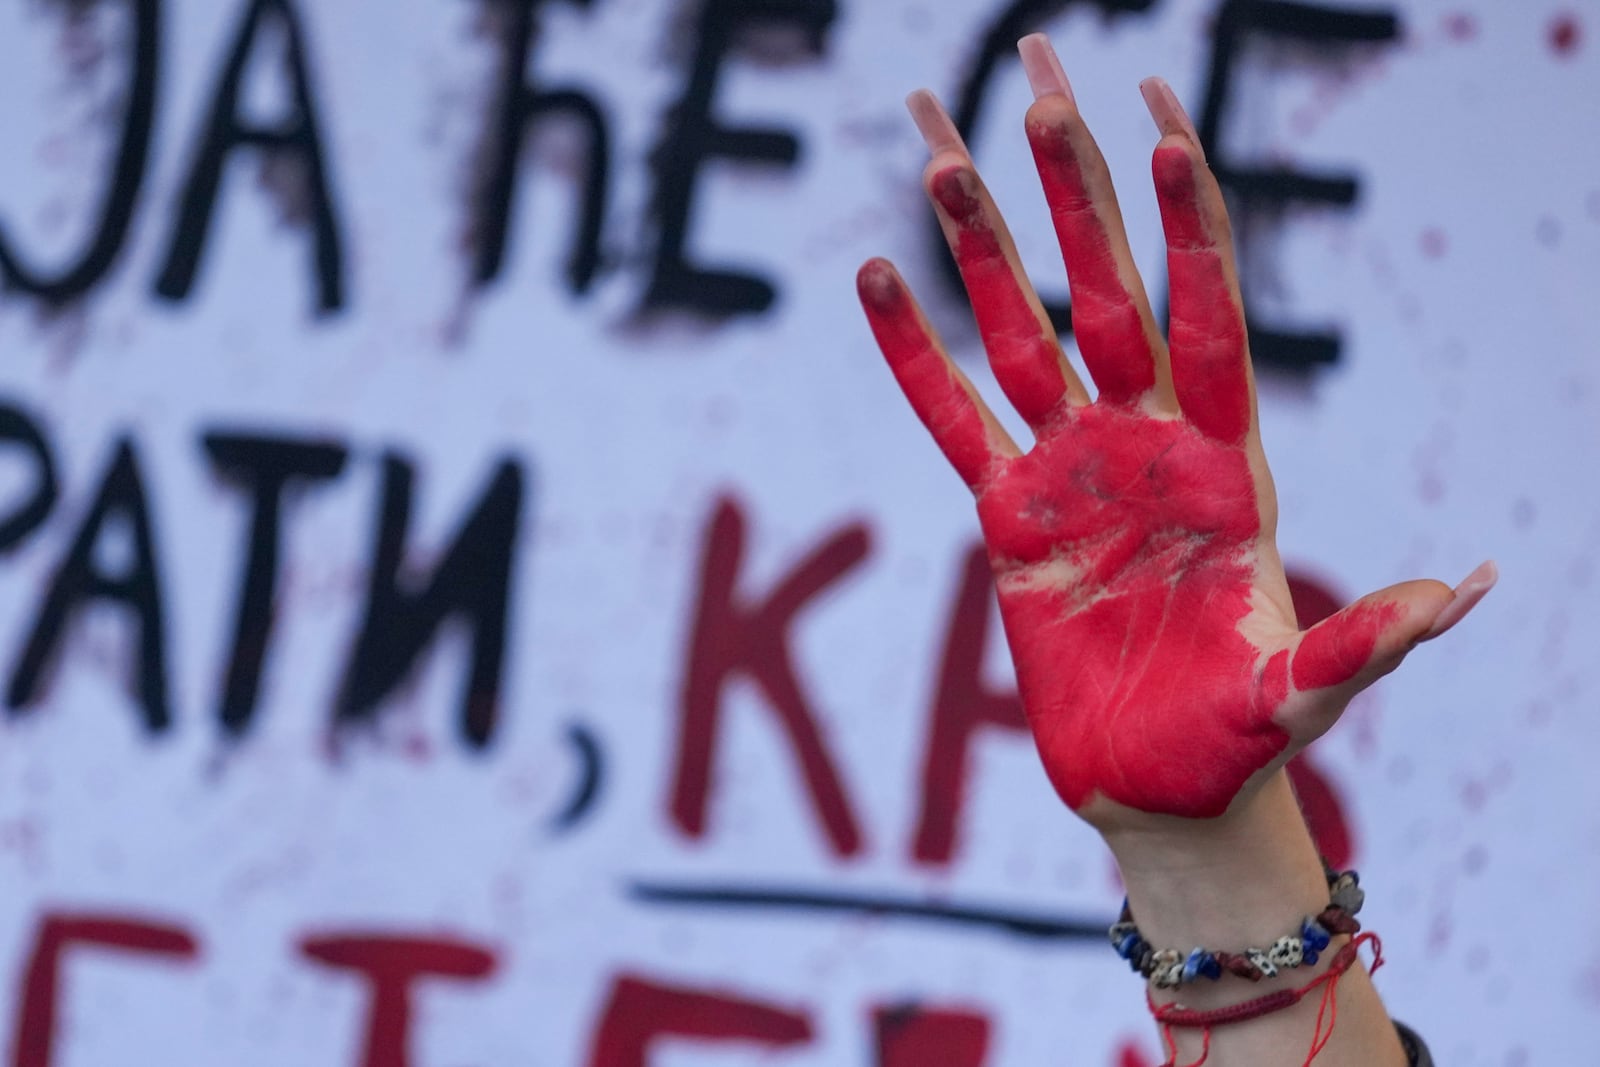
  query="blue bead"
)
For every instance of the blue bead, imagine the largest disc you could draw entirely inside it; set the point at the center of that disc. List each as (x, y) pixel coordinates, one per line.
(1315, 935)
(1128, 947)
(1210, 967)
(1191, 966)
(1310, 956)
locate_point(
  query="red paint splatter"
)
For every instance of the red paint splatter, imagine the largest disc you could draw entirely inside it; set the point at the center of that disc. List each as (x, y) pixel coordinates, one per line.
(1461, 26)
(1439, 932)
(1523, 513)
(1564, 34)
(1129, 1055)
(1589, 982)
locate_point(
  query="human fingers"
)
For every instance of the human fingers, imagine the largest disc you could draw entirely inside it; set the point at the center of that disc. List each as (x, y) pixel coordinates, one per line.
(1354, 647)
(1016, 332)
(963, 427)
(1465, 597)
(1111, 317)
(1210, 355)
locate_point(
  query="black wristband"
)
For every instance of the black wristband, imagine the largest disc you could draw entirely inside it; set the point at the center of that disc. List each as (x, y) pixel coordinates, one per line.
(1416, 1052)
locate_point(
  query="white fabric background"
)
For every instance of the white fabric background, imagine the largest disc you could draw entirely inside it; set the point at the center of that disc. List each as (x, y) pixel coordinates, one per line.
(1460, 424)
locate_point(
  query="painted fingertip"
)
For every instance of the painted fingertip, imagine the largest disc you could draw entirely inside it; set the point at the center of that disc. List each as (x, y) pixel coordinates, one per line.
(1473, 588)
(934, 122)
(956, 189)
(1046, 76)
(1168, 113)
(875, 281)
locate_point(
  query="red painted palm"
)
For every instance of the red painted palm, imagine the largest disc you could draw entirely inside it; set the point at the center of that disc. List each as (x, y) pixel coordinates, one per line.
(1144, 602)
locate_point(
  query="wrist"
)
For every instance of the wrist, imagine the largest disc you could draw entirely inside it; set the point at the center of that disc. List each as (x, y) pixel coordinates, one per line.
(1245, 878)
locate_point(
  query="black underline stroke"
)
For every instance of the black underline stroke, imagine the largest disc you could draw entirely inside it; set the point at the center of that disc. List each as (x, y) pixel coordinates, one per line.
(1041, 927)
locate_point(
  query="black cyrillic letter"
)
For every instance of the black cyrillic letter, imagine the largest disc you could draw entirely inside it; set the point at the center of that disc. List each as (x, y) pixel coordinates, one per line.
(1017, 20)
(1263, 192)
(80, 579)
(127, 175)
(520, 105)
(472, 582)
(693, 136)
(266, 466)
(295, 137)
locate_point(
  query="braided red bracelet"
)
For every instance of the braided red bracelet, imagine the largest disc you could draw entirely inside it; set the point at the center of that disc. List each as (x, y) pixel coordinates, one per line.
(1176, 1015)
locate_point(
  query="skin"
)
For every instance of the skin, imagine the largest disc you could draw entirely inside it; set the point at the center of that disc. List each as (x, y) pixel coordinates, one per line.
(1146, 608)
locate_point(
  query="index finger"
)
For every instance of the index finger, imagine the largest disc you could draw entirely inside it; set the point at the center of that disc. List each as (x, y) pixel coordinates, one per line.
(961, 424)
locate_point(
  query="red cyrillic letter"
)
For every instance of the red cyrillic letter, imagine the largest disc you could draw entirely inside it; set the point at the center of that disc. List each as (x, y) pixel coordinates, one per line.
(390, 965)
(910, 1035)
(638, 1012)
(961, 705)
(732, 635)
(41, 989)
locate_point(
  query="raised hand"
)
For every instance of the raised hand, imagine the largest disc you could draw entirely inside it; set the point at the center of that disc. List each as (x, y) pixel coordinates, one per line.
(1133, 546)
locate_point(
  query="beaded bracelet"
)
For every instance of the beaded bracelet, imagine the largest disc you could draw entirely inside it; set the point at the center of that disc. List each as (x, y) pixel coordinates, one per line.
(1169, 968)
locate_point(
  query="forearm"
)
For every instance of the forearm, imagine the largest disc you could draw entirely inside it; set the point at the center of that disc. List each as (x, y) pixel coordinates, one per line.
(1247, 879)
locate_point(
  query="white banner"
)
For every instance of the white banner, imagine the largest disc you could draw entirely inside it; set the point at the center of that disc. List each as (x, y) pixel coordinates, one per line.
(470, 592)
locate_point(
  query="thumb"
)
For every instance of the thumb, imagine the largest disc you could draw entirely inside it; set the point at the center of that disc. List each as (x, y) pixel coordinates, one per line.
(1368, 639)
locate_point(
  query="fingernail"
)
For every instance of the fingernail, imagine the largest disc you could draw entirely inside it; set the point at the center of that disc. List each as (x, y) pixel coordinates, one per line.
(933, 122)
(1043, 67)
(1473, 588)
(1167, 112)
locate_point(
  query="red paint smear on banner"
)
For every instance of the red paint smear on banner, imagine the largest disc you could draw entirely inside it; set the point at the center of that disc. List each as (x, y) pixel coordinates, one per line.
(1564, 34)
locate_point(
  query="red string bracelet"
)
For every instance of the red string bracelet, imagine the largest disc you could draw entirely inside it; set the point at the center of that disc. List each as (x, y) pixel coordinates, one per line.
(1176, 1015)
